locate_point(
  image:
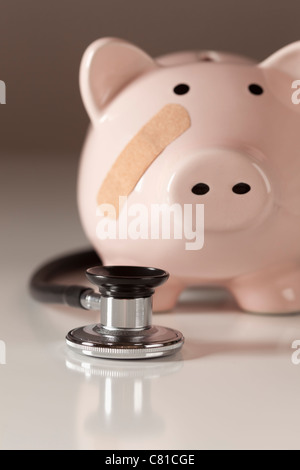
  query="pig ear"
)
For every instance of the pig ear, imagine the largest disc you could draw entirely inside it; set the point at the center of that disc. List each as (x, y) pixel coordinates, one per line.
(286, 60)
(107, 66)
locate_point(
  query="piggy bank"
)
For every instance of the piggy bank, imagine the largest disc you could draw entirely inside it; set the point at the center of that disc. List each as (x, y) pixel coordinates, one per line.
(192, 164)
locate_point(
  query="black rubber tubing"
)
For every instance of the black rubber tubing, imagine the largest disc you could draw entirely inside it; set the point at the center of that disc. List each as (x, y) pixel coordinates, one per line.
(44, 290)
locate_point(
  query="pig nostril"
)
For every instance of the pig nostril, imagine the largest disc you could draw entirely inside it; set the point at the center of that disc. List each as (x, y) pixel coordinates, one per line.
(200, 189)
(241, 188)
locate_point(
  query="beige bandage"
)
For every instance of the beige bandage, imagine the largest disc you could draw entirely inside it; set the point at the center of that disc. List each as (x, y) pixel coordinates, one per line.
(168, 124)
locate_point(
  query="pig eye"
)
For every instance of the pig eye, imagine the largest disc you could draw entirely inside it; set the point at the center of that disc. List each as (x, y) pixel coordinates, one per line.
(181, 89)
(255, 89)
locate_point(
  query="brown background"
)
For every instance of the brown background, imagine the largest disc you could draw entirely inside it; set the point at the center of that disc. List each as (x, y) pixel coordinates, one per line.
(42, 41)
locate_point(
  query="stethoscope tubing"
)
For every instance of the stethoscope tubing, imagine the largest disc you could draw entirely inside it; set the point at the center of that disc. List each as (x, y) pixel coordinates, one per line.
(44, 289)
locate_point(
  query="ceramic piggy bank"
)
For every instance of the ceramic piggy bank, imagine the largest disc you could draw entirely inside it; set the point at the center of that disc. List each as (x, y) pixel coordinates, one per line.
(192, 164)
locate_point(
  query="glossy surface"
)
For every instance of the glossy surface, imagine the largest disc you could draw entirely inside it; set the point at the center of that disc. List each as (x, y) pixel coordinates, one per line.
(232, 386)
(244, 134)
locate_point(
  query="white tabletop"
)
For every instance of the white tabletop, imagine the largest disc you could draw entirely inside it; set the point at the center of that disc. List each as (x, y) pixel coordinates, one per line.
(233, 385)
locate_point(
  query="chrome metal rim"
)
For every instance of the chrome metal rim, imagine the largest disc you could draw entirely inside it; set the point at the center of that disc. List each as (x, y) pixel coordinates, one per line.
(97, 341)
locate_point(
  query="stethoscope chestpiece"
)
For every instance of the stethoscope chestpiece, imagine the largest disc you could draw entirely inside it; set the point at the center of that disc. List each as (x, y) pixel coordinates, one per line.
(125, 330)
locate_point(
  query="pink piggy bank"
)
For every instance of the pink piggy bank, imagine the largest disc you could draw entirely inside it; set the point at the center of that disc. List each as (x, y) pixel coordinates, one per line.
(192, 164)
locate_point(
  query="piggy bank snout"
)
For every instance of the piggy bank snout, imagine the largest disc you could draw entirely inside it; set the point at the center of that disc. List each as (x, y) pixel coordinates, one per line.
(232, 186)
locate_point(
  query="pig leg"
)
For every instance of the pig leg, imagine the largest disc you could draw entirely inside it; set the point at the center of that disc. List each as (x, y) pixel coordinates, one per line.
(274, 291)
(166, 296)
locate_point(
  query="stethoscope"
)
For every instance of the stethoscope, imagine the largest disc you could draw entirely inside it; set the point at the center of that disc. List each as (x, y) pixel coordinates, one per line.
(124, 301)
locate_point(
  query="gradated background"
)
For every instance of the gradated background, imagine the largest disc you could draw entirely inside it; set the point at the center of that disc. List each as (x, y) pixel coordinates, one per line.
(42, 41)
(44, 122)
